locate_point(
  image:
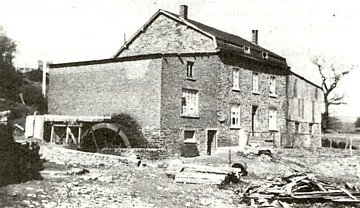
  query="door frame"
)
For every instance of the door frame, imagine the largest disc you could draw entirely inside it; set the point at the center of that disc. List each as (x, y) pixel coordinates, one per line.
(215, 142)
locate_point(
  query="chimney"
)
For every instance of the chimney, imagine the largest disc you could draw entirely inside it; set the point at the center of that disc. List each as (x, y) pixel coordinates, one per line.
(183, 11)
(255, 36)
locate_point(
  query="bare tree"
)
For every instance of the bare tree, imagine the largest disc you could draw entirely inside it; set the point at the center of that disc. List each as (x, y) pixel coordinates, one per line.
(330, 74)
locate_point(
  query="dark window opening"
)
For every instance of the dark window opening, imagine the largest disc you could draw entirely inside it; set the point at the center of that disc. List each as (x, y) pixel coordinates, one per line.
(189, 69)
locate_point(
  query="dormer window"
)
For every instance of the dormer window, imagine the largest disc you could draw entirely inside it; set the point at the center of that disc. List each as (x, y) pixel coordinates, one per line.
(265, 55)
(247, 49)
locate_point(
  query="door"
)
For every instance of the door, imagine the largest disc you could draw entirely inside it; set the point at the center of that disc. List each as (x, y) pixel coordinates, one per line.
(253, 119)
(211, 141)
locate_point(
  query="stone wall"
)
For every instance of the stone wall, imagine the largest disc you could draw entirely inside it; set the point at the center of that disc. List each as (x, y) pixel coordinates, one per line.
(166, 35)
(130, 87)
(174, 79)
(246, 98)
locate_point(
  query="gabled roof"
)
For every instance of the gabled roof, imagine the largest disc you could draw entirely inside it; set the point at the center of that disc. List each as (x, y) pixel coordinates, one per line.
(223, 41)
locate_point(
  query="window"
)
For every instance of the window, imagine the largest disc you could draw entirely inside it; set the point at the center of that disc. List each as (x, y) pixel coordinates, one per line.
(295, 88)
(189, 69)
(297, 127)
(189, 102)
(189, 136)
(316, 93)
(255, 82)
(235, 116)
(272, 119)
(301, 108)
(311, 131)
(265, 55)
(247, 49)
(236, 79)
(272, 86)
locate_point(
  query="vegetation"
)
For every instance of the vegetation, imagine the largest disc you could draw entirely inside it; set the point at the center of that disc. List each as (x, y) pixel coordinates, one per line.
(13, 84)
(331, 74)
(357, 122)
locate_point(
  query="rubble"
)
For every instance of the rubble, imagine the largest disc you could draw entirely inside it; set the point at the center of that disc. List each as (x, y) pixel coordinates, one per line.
(303, 187)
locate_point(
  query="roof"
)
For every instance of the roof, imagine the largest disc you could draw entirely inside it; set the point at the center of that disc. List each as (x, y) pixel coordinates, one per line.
(223, 41)
(306, 80)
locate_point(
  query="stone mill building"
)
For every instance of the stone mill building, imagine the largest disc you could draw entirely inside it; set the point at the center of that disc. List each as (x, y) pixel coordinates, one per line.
(185, 81)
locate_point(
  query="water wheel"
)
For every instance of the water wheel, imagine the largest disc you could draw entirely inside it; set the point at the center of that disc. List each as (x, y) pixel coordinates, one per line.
(104, 135)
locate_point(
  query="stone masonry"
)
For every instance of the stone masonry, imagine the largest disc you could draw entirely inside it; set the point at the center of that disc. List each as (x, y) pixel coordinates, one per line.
(148, 74)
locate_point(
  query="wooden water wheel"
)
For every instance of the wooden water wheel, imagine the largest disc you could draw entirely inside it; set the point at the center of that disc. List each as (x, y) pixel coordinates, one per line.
(104, 135)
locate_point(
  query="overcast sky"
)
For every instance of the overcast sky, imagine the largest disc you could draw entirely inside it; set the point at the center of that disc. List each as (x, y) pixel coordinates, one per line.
(77, 30)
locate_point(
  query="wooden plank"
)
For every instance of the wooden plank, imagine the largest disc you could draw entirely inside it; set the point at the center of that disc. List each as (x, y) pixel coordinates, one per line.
(79, 136)
(52, 134)
(210, 169)
(348, 193)
(187, 177)
(62, 118)
(67, 135)
(68, 125)
(293, 182)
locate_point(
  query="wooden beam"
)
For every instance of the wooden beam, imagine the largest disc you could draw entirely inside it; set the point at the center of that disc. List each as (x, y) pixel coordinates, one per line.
(67, 135)
(68, 125)
(52, 133)
(79, 136)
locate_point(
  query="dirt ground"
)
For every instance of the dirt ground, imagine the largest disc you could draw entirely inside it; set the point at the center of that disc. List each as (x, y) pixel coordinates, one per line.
(127, 185)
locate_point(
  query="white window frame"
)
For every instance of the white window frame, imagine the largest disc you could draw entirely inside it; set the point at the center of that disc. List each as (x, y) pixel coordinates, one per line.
(192, 139)
(190, 69)
(247, 49)
(265, 55)
(272, 87)
(236, 79)
(235, 116)
(273, 119)
(255, 83)
(311, 129)
(190, 103)
(297, 127)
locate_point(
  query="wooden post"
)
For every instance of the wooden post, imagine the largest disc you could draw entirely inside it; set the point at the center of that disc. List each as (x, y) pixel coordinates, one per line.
(330, 143)
(93, 136)
(350, 147)
(67, 135)
(79, 136)
(229, 157)
(52, 133)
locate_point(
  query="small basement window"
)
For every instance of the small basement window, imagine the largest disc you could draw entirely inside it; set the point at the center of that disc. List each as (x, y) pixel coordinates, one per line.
(247, 49)
(189, 136)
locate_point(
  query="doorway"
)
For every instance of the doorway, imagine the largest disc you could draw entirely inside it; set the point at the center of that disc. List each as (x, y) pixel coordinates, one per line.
(211, 141)
(253, 119)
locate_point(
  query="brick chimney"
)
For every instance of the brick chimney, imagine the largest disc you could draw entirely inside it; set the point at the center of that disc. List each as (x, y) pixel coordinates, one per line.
(255, 36)
(183, 11)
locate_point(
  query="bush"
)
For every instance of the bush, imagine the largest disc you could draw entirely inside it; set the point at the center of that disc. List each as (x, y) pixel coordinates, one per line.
(19, 163)
(131, 129)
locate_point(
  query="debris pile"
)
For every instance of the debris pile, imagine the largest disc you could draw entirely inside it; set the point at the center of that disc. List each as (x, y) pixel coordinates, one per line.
(208, 175)
(296, 188)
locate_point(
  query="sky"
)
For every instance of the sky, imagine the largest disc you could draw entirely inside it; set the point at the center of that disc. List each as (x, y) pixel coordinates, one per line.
(77, 30)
